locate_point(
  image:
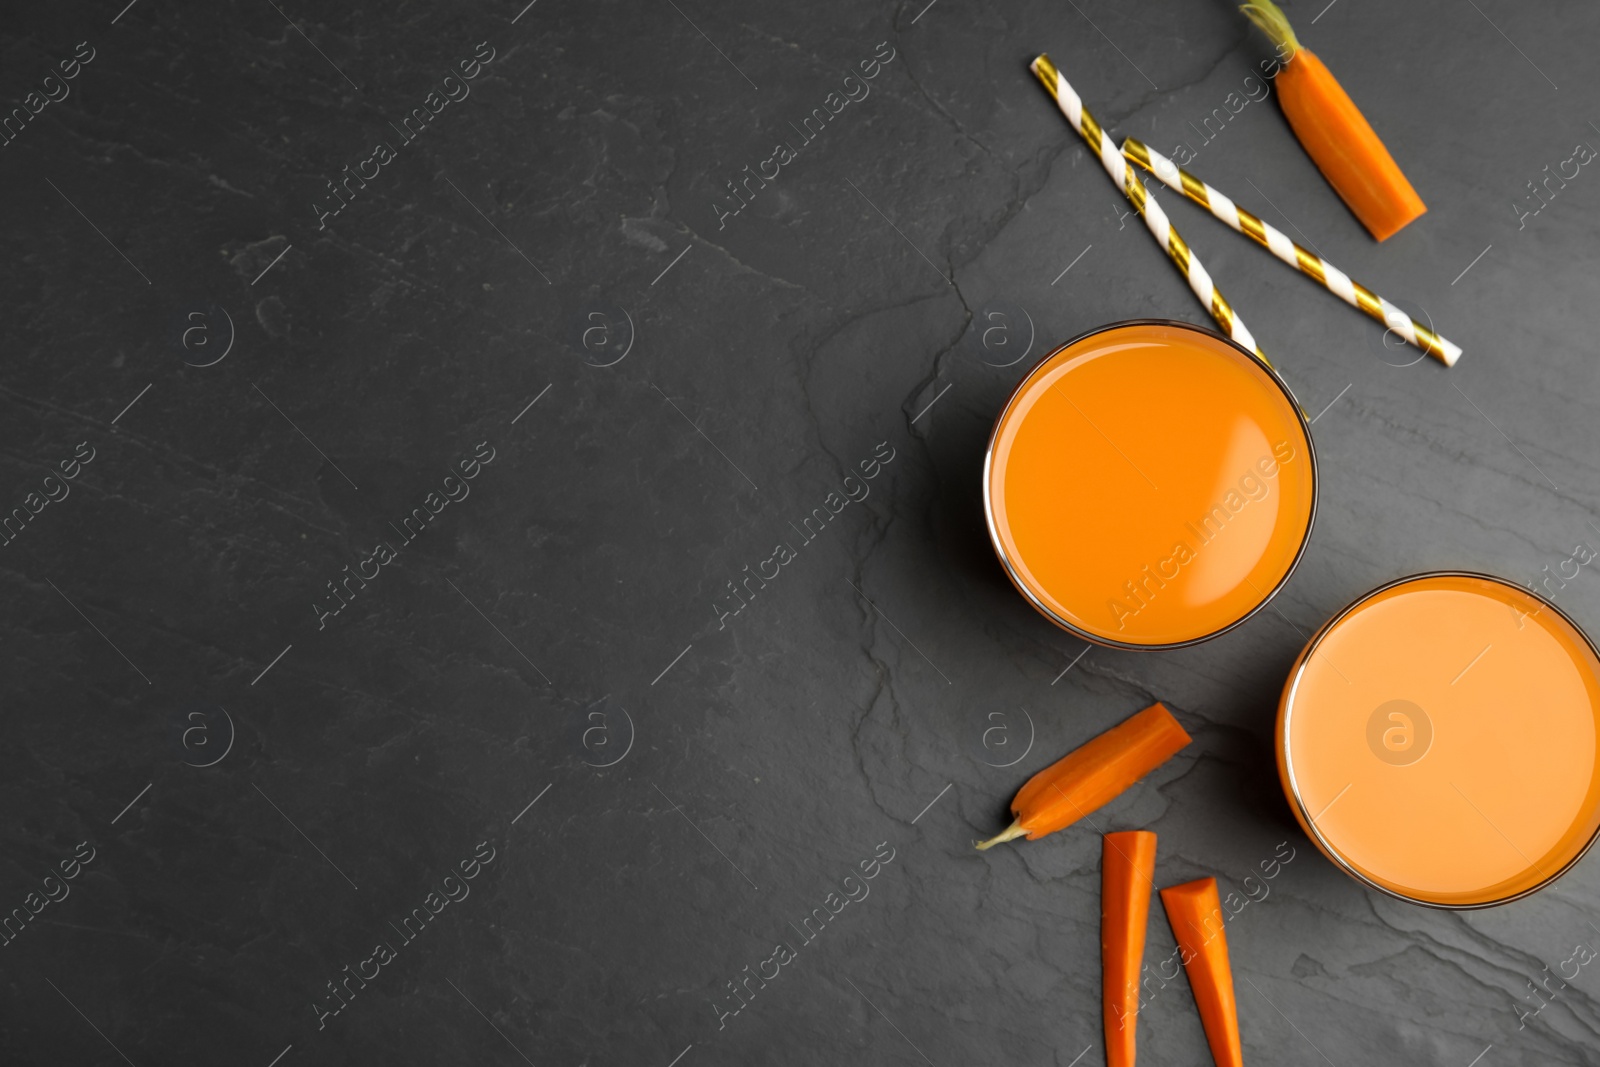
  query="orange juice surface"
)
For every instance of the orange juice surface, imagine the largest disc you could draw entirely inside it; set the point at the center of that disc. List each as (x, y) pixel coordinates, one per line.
(1149, 485)
(1438, 739)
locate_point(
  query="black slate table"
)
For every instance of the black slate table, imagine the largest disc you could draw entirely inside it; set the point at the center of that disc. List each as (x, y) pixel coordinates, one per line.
(400, 398)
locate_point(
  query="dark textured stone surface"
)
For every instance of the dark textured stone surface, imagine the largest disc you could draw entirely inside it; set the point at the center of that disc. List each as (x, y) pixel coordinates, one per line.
(562, 615)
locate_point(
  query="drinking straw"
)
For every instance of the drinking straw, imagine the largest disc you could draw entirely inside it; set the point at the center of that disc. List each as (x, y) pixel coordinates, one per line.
(1155, 219)
(1275, 241)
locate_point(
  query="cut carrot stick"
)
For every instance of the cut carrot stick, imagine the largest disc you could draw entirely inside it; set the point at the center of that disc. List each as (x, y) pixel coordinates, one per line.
(1127, 874)
(1334, 133)
(1092, 776)
(1195, 912)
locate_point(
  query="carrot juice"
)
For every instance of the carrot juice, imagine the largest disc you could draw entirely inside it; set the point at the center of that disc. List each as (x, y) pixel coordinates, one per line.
(1149, 485)
(1438, 740)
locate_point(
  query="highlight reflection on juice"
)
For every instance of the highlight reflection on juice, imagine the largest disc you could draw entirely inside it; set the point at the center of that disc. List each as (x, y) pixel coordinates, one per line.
(1439, 739)
(1149, 485)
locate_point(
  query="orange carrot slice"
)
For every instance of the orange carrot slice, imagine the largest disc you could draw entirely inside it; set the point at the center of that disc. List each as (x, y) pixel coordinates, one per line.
(1092, 776)
(1334, 133)
(1195, 912)
(1127, 874)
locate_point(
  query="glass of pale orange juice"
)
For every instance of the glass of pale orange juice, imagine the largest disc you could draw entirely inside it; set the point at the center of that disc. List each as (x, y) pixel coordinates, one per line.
(1437, 740)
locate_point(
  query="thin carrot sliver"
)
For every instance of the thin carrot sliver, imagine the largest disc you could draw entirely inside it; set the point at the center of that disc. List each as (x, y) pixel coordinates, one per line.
(1195, 912)
(1093, 775)
(1127, 875)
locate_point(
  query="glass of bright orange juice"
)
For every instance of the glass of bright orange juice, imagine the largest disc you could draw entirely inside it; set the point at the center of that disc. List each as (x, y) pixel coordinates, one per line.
(1150, 484)
(1437, 740)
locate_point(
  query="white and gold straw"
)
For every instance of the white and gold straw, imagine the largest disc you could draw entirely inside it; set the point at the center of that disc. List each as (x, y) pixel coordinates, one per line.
(1306, 262)
(1155, 219)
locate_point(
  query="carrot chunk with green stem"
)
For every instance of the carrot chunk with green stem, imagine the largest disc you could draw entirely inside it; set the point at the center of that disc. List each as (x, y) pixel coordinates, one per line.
(1091, 776)
(1334, 132)
(1195, 912)
(1127, 876)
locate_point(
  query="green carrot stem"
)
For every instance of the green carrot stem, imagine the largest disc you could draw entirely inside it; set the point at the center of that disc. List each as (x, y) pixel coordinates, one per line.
(1271, 20)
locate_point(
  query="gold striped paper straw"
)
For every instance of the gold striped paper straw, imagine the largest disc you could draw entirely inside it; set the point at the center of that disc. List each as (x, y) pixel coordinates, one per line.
(1155, 219)
(1306, 262)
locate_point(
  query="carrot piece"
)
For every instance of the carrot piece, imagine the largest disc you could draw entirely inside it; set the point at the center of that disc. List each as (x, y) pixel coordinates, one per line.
(1093, 775)
(1334, 133)
(1195, 912)
(1127, 874)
